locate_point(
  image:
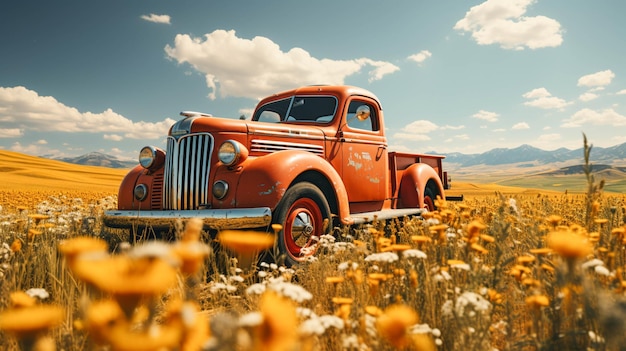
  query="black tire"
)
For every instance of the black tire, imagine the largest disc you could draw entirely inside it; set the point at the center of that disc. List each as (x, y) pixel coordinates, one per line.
(304, 214)
(429, 199)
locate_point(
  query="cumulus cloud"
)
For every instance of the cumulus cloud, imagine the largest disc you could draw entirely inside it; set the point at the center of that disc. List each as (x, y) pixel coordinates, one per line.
(607, 117)
(542, 98)
(256, 67)
(588, 96)
(503, 22)
(164, 19)
(420, 56)
(597, 79)
(521, 125)
(11, 132)
(35, 149)
(621, 92)
(25, 109)
(417, 130)
(113, 137)
(486, 115)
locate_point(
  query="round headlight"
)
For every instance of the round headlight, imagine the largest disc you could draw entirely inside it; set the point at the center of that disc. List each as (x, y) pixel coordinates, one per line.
(220, 188)
(227, 153)
(147, 155)
(151, 157)
(231, 153)
(140, 192)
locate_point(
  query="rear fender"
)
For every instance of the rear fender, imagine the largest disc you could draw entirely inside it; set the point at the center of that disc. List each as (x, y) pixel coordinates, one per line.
(264, 180)
(413, 185)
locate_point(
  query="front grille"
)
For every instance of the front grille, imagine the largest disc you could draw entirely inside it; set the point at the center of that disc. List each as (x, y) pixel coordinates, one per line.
(187, 166)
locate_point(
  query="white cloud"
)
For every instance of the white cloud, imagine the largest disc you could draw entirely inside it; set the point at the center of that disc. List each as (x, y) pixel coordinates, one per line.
(503, 22)
(542, 98)
(452, 127)
(520, 126)
(486, 115)
(165, 19)
(11, 132)
(257, 67)
(537, 93)
(588, 96)
(34, 149)
(417, 130)
(113, 137)
(596, 79)
(607, 117)
(25, 109)
(420, 56)
(621, 92)
(42, 142)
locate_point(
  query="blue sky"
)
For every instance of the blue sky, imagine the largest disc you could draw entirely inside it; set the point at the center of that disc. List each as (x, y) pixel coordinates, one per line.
(453, 76)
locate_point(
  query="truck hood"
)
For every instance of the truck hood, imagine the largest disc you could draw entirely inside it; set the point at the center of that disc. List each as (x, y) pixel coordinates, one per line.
(198, 124)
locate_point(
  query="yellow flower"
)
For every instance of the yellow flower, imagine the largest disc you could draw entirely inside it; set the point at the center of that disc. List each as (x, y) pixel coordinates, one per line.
(29, 322)
(568, 244)
(541, 251)
(554, 220)
(394, 323)
(21, 299)
(279, 329)
(247, 243)
(537, 301)
(334, 280)
(525, 259)
(474, 228)
(16, 245)
(479, 248)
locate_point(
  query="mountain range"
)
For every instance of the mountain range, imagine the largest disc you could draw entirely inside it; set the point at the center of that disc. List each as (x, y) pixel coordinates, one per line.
(97, 159)
(524, 156)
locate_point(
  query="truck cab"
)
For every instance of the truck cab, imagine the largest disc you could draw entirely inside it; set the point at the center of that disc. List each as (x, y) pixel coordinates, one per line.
(308, 159)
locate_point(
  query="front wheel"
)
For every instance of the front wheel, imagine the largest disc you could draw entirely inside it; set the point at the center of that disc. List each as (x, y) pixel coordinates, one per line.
(302, 213)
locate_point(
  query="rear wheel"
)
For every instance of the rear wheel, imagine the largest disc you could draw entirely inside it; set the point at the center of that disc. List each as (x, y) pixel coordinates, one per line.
(429, 199)
(302, 213)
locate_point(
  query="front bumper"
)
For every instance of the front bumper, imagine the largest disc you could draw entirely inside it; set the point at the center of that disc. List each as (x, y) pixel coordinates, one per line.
(235, 218)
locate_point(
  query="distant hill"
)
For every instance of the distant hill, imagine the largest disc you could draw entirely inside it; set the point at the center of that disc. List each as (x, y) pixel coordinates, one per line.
(529, 156)
(98, 159)
(24, 172)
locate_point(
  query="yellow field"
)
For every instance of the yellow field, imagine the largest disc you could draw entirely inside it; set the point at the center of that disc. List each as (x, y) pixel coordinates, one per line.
(505, 269)
(28, 180)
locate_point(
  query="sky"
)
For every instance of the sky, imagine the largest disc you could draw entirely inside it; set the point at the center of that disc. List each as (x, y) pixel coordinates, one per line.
(453, 76)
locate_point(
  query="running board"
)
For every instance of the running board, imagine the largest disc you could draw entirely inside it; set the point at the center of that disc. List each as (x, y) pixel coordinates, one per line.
(454, 198)
(366, 217)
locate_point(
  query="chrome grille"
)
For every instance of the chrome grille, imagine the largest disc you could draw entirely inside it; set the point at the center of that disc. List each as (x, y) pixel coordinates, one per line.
(187, 166)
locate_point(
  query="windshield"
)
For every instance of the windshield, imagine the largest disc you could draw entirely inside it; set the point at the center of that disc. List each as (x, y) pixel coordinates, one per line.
(316, 109)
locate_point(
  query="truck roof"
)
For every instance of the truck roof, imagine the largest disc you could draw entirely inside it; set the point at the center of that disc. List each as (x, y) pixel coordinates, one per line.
(342, 91)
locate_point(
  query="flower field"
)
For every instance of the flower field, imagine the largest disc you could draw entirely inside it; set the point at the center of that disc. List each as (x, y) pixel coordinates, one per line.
(501, 271)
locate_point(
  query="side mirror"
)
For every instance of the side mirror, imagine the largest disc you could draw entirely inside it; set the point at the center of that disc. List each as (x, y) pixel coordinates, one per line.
(362, 112)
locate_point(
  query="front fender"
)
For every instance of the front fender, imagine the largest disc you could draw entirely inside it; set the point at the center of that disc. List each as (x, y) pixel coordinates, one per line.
(413, 185)
(264, 180)
(125, 198)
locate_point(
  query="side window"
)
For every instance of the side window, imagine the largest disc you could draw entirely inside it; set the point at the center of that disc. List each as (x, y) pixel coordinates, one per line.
(370, 123)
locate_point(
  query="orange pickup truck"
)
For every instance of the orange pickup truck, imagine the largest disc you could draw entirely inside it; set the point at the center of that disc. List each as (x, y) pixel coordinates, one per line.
(309, 159)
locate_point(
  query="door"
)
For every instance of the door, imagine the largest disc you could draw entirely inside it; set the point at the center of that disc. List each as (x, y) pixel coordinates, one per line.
(363, 149)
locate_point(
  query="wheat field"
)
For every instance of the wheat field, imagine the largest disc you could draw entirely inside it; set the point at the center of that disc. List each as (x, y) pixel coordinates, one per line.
(506, 269)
